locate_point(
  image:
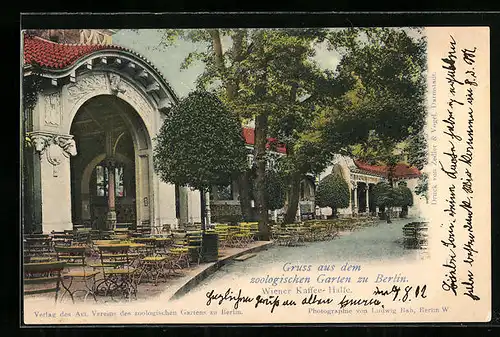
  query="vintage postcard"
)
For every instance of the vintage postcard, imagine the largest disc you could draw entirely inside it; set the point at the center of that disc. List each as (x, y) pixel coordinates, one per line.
(319, 175)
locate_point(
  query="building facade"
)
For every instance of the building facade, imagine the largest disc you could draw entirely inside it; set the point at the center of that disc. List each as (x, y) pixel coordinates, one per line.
(361, 178)
(90, 114)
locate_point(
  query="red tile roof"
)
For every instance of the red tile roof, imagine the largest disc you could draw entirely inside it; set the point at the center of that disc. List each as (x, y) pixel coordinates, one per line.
(48, 54)
(401, 170)
(249, 135)
(54, 56)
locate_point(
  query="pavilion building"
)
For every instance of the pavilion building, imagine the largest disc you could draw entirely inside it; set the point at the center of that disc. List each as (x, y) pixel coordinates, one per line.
(90, 113)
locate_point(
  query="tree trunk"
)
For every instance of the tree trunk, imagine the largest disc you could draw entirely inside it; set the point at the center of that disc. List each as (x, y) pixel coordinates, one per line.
(390, 178)
(404, 212)
(203, 209)
(381, 214)
(231, 86)
(245, 198)
(217, 45)
(294, 187)
(293, 198)
(261, 124)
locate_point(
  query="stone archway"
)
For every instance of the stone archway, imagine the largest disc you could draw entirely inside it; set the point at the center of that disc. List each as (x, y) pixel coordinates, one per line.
(128, 81)
(111, 177)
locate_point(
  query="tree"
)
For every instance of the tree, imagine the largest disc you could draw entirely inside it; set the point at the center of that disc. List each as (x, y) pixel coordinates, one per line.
(200, 144)
(422, 186)
(385, 106)
(333, 192)
(222, 72)
(266, 74)
(406, 198)
(386, 197)
(262, 73)
(275, 190)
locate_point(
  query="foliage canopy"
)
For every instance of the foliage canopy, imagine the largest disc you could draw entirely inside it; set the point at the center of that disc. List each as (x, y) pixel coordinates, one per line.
(332, 191)
(200, 143)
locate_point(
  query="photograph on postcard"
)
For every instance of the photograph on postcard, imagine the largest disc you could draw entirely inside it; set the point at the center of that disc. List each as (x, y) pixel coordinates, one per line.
(256, 175)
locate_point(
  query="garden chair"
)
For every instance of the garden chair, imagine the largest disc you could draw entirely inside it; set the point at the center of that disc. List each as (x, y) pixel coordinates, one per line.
(150, 264)
(82, 237)
(152, 267)
(118, 274)
(161, 246)
(194, 241)
(254, 230)
(38, 248)
(75, 257)
(222, 231)
(233, 239)
(149, 246)
(179, 257)
(62, 238)
(42, 277)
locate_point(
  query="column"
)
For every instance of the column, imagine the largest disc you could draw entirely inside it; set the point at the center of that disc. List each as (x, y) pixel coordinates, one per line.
(350, 202)
(208, 219)
(166, 204)
(367, 199)
(54, 151)
(184, 206)
(355, 211)
(111, 215)
(194, 208)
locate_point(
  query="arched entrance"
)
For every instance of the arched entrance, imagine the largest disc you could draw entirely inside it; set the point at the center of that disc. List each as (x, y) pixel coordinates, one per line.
(110, 179)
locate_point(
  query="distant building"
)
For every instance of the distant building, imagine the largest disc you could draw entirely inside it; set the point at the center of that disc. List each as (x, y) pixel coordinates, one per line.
(361, 177)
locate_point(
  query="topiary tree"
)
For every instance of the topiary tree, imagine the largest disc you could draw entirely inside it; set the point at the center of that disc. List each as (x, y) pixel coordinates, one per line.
(387, 197)
(200, 144)
(333, 192)
(406, 198)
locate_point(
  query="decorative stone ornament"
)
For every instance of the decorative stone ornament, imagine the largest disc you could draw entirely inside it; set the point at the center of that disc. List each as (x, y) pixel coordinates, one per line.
(39, 142)
(115, 84)
(53, 109)
(56, 147)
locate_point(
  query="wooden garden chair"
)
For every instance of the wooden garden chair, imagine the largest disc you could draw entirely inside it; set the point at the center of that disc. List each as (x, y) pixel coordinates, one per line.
(38, 248)
(118, 274)
(194, 241)
(42, 277)
(75, 258)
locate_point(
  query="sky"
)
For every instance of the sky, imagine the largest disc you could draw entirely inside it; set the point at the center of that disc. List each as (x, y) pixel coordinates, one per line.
(168, 59)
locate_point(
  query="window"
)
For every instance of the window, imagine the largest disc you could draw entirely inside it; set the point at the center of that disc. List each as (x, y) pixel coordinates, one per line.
(222, 192)
(119, 189)
(250, 160)
(102, 181)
